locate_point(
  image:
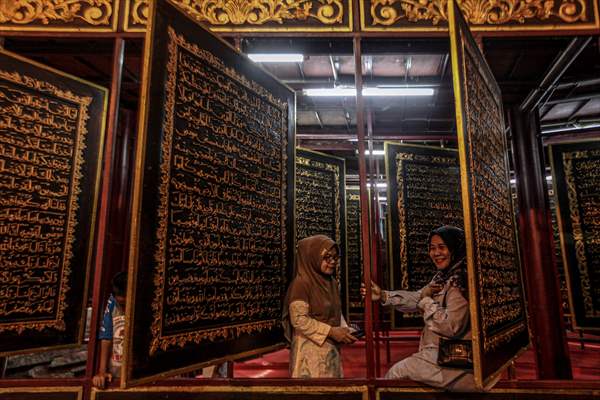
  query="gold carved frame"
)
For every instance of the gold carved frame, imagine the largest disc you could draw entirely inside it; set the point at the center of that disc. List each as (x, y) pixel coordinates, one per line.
(253, 15)
(462, 46)
(577, 235)
(59, 15)
(340, 195)
(402, 225)
(482, 15)
(180, 340)
(83, 102)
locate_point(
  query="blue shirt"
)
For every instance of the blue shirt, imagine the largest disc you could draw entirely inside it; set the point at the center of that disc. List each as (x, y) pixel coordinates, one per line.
(106, 328)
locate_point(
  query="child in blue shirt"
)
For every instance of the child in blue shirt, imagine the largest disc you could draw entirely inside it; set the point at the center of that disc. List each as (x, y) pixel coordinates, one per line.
(112, 333)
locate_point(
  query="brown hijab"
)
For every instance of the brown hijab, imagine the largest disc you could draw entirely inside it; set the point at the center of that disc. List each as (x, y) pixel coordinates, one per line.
(312, 286)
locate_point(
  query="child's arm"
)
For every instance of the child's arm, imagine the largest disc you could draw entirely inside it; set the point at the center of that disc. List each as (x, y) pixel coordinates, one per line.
(103, 377)
(106, 339)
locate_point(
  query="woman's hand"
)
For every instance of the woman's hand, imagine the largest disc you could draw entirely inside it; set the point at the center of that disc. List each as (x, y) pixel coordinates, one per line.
(375, 291)
(341, 335)
(431, 289)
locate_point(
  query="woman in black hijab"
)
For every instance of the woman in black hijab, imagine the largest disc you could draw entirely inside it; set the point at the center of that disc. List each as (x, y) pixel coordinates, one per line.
(445, 308)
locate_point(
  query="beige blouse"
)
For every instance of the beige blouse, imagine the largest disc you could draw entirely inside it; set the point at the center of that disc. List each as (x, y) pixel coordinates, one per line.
(312, 355)
(451, 321)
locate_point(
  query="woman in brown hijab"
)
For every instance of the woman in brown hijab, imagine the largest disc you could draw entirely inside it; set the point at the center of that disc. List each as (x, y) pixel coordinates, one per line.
(312, 314)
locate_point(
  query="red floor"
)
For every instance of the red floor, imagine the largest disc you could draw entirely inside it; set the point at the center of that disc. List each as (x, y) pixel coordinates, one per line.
(585, 362)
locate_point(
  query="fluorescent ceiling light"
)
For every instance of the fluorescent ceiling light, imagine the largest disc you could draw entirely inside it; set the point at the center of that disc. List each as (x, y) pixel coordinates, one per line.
(548, 179)
(575, 127)
(281, 58)
(398, 91)
(369, 91)
(381, 185)
(375, 152)
(330, 92)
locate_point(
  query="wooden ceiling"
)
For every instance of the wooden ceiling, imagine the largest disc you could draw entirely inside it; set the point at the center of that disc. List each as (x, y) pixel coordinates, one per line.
(329, 123)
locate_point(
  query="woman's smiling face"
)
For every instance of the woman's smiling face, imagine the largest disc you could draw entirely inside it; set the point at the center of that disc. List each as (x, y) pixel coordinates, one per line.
(329, 261)
(439, 252)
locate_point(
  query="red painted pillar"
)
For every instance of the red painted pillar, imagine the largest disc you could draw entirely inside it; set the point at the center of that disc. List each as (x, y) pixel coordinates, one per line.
(537, 248)
(364, 206)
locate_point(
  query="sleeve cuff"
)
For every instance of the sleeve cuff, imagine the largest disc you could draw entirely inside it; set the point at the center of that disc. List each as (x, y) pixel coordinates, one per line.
(388, 297)
(322, 333)
(425, 302)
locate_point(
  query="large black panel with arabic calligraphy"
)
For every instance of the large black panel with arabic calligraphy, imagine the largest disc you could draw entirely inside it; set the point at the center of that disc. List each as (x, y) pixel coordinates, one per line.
(321, 204)
(51, 134)
(423, 193)
(354, 255)
(213, 222)
(576, 171)
(496, 295)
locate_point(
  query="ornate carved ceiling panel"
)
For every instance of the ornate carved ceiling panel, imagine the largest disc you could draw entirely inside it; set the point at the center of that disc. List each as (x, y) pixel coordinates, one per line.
(430, 15)
(301, 15)
(59, 15)
(255, 15)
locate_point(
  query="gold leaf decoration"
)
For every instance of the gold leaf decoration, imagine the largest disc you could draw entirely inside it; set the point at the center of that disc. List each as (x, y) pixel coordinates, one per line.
(24, 12)
(251, 12)
(478, 12)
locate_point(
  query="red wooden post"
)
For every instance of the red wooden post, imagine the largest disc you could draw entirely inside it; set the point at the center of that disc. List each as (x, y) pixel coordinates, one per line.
(537, 244)
(364, 205)
(103, 212)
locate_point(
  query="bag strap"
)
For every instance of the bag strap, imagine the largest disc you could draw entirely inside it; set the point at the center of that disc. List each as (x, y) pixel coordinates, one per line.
(444, 299)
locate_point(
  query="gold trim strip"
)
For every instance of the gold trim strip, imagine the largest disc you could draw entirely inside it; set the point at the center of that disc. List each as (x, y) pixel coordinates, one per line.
(44, 389)
(593, 392)
(292, 389)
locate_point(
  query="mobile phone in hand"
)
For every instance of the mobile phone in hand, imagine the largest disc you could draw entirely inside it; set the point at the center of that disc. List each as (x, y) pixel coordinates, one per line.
(356, 331)
(359, 334)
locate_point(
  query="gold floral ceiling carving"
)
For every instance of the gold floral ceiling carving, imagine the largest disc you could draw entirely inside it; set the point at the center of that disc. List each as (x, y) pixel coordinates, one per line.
(488, 13)
(49, 14)
(254, 14)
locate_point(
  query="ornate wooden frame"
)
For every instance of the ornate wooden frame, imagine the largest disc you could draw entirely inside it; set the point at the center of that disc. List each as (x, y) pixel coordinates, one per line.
(337, 167)
(499, 332)
(574, 238)
(88, 103)
(151, 352)
(401, 262)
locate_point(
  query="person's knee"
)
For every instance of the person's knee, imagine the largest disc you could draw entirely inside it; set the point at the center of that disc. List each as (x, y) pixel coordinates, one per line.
(397, 371)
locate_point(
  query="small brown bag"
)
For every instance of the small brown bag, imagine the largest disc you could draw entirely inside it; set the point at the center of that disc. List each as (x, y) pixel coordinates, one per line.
(455, 353)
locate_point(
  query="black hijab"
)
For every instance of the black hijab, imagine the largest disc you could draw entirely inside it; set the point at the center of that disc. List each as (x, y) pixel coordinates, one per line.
(456, 272)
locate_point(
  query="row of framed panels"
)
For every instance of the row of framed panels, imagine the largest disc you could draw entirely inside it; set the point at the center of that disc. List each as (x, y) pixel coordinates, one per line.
(213, 210)
(213, 190)
(302, 15)
(424, 192)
